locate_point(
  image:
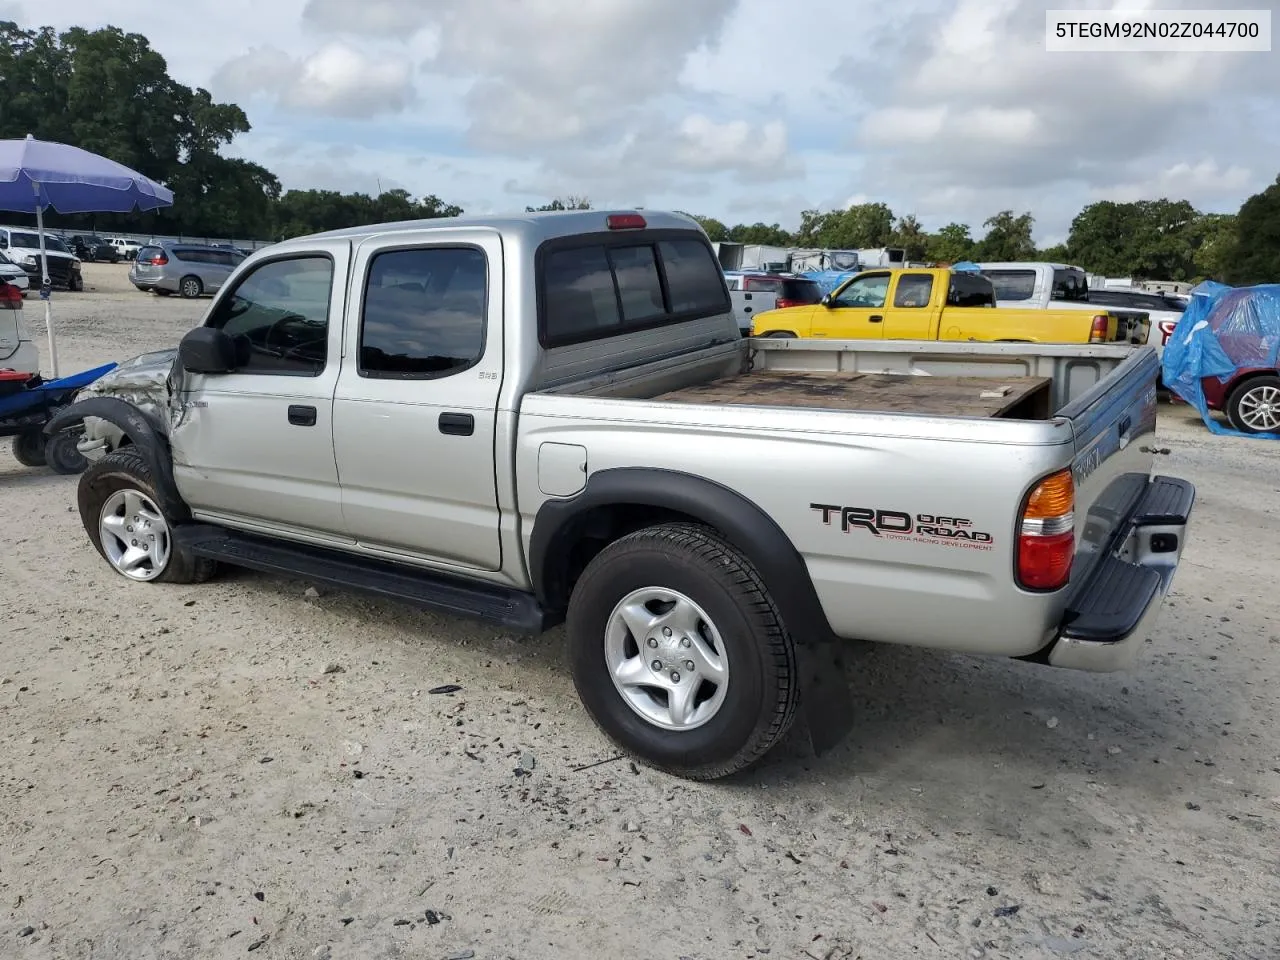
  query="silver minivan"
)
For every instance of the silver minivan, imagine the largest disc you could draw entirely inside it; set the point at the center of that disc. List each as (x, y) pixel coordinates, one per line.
(187, 269)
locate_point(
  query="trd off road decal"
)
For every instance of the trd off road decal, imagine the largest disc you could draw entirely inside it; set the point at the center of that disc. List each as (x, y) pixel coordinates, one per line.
(896, 525)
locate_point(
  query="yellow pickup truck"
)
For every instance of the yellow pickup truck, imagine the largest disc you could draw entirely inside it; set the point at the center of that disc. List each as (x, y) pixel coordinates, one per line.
(940, 304)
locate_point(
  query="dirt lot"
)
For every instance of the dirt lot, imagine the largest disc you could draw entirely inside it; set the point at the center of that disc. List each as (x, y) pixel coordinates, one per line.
(231, 768)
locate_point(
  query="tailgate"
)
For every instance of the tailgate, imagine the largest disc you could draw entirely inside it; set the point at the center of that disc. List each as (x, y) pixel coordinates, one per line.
(1113, 425)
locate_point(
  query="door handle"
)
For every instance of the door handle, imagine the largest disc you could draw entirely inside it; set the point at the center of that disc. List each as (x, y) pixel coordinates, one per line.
(302, 416)
(876, 318)
(1124, 437)
(457, 424)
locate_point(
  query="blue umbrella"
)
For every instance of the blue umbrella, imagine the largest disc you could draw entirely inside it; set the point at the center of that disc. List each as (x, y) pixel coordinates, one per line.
(35, 174)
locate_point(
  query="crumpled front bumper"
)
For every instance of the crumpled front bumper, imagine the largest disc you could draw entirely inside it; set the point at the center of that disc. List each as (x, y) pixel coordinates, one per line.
(1108, 619)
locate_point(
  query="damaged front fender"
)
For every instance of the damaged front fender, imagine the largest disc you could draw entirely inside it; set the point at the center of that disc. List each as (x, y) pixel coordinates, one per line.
(144, 431)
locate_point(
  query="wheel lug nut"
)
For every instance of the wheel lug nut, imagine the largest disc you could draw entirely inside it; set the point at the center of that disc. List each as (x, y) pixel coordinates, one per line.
(657, 666)
(134, 542)
(685, 642)
(653, 641)
(666, 631)
(688, 665)
(130, 529)
(675, 677)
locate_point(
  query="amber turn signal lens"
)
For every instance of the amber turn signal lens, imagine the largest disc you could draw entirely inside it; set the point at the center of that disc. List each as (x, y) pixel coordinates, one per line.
(1054, 496)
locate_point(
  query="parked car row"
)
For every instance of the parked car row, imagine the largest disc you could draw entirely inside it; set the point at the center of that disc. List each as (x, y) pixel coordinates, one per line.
(21, 246)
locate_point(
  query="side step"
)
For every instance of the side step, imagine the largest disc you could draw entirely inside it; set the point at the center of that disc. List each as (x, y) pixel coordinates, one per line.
(441, 593)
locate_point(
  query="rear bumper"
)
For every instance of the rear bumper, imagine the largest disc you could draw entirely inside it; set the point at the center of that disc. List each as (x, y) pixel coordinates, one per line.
(1112, 614)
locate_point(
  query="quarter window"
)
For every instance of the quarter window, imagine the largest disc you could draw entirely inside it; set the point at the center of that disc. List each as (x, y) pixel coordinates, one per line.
(424, 313)
(278, 317)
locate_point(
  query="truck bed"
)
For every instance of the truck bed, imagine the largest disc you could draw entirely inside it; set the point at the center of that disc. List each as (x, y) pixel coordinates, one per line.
(1005, 381)
(1022, 398)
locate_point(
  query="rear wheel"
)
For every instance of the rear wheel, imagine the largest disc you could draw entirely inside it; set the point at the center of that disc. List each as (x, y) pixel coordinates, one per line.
(1254, 406)
(62, 454)
(121, 512)
(191, 287)
(28, 448)
(679, 654)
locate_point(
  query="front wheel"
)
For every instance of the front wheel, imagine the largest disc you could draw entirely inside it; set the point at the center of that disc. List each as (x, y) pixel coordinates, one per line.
(120, 511)
(679, 653)
(1254, 406)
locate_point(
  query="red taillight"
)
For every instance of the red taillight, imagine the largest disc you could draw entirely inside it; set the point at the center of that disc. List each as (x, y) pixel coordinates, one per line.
(625, 221)
(1098, 332)
(1046, 535)
(159, 261)
(10, 297)
(782, 303)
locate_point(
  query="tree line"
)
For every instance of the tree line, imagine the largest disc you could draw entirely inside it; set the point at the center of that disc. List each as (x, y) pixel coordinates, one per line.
(108, 91)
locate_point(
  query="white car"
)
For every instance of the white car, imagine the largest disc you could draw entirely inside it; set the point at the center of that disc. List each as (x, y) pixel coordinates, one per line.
(128, 248)
(13, 274)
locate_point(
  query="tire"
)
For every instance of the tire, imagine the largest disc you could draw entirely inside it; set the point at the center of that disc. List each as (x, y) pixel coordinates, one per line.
(1254, 406)
(75, 283)
(120, 483)
(28, 448)
(159, 293)
(62, 455)
(731, 724)
(190, 287)
(779, 335)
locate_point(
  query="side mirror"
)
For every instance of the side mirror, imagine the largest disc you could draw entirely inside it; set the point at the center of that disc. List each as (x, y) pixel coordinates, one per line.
(826, 300)
(207, 350)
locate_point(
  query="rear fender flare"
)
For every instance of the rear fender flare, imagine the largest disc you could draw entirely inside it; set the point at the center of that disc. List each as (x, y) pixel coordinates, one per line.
(146, 435)
(825, 695)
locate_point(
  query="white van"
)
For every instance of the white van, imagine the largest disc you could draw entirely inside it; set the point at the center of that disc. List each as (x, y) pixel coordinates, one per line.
(22, 246)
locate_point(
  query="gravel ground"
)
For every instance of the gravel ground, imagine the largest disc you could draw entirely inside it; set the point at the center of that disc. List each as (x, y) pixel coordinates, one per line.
(243, 767)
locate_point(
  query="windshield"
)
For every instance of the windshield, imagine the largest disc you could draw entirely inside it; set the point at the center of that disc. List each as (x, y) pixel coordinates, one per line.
(31, 241)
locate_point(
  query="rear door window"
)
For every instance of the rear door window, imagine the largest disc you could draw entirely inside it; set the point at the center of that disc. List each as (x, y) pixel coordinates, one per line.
(971, 290)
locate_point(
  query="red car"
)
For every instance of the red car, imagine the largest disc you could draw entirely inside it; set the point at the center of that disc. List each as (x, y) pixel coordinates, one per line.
(1244, 324)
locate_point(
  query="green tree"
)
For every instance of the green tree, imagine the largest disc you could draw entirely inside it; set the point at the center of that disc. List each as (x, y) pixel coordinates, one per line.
(1054, 254)
(1214, 239)
(769, 234)
(861, 226)
(951, 244)
(715, 230)
(1255, 254)
(1008, 237)
(909, 235)
(109, 92)
(570, 202)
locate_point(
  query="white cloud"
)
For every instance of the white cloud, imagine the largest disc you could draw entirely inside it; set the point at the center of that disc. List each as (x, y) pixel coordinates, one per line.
(334, 81)
(950, 109)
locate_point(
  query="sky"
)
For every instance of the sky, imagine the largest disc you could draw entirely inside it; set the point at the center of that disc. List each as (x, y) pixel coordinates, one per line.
(744, 110)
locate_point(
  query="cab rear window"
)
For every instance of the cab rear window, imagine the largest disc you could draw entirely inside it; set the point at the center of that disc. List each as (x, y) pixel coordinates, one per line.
(607, 287)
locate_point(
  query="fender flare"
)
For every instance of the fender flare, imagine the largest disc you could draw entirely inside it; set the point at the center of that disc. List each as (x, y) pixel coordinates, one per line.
(146, 435)
(825, 694)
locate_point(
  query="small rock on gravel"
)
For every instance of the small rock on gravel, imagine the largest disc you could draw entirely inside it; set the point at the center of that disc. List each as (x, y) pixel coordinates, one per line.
(461, 955)
(26, 931)
(1051, 723)
(632, 827)
(312, 593)
(334, 668)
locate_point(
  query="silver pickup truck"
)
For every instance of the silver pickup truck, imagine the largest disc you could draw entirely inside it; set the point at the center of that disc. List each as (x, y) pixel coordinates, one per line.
(553, 418)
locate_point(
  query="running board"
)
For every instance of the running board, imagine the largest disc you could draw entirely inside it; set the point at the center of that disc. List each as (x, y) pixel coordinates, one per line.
(429, 590)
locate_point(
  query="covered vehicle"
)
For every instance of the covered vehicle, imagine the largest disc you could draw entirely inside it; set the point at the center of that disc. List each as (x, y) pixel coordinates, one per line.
(1223, 355)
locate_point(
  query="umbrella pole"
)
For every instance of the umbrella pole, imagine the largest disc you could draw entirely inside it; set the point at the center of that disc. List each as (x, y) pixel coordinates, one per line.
(46, 288)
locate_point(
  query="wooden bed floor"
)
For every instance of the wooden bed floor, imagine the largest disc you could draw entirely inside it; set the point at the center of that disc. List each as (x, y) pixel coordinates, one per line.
(1020, 397)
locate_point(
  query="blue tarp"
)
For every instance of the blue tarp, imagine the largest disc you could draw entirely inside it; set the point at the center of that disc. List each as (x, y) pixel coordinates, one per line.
(1224, 329)
(966, 266)
(828, 280)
